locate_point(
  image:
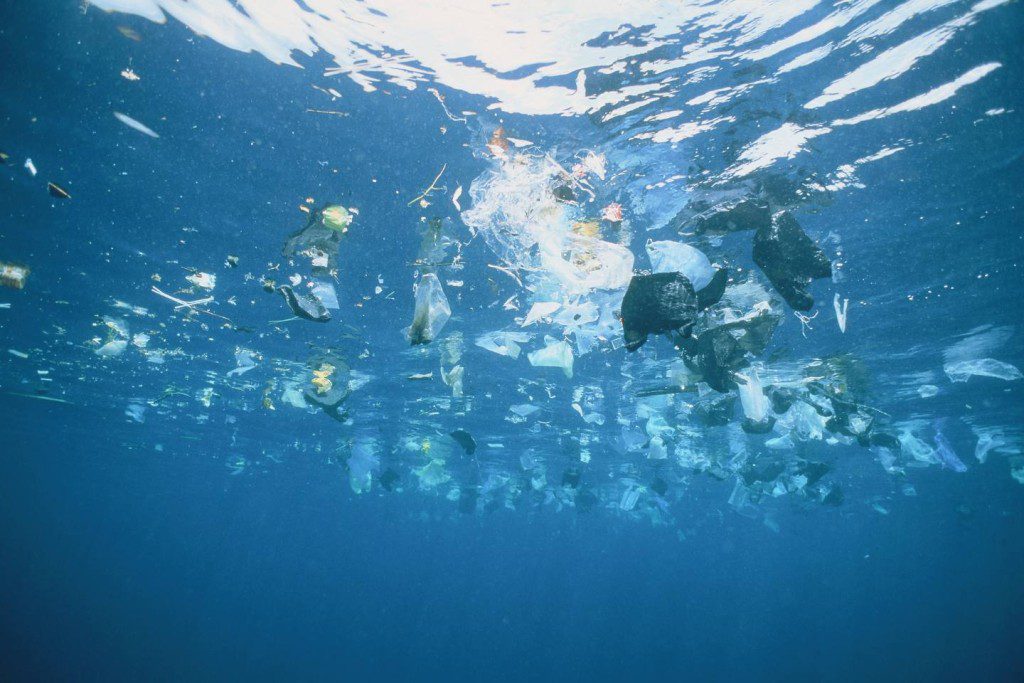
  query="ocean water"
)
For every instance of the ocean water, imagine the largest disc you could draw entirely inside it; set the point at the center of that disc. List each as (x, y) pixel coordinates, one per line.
(216, 488)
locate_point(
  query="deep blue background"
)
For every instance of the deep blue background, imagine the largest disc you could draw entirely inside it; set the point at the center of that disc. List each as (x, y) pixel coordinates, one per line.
(120, 562)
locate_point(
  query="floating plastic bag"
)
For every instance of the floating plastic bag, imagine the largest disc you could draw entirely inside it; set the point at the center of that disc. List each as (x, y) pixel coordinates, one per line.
(245, 360)
(363, 463)
(961, 371)
(503, 343)
(556, 354)
(676, 257)
(432, 310)
(754, 402)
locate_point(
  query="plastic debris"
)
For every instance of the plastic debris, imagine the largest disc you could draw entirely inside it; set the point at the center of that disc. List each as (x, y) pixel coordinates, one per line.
(944, 450)
(336, 217)
(31, 167)
(363, 463)
(57, 191)
(755, 403)
(840, 312)
(988, 440)
(464, 439)
(503, 343)
(328, 384)
(320, 239)
(13, 275)
(205, 281)
(676, 257)
(743, 214)
(555, 354)
(305, 306)
(658, 303)
(432, 310)
(245, 360)
(112, 348)
(325, 292)
(790, 260)
(539, 311)
(961, 371)
(135, 125)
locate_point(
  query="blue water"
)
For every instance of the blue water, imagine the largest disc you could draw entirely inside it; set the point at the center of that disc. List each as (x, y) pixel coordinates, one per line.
(229, 540)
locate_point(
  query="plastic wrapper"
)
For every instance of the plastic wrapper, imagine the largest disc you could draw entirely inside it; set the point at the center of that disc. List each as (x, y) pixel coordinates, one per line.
(432, 310)
(555, 354)
(676, 257)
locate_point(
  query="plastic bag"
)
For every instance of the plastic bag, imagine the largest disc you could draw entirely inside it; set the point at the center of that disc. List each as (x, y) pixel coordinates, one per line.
(676, 257)
(432, 310)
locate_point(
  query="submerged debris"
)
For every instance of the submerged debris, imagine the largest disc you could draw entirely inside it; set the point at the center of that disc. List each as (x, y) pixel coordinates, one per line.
(305, 306)
(653, 304)
(790, 260)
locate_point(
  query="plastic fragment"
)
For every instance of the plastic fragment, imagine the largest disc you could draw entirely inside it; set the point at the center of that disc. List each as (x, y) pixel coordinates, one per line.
(464, 439)
(135, 125)
(790, 259)
(432, 310)
(305, 306)
(555, 354)
(112, 348)
(539, 311)
(503, 343)
(840, 312)
(206, 281)
(12, 275)
(657, 303)
(57, 191)
(961, 371)
(944, 450)
(676, 257)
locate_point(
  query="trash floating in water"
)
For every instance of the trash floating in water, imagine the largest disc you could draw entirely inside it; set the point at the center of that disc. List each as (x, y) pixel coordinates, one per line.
(676, 257)
(31, 167)
(659, 303)
(790, 260)
(135, 125)
(305, 305)
(554, 354)
(432, 310)
(203, 280)
(961, 371)
(12, 275)
(464, 439)
(840, 312)
(57, 191)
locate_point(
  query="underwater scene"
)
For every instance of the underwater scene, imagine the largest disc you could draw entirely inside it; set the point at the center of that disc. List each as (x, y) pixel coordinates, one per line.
(522, 340)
